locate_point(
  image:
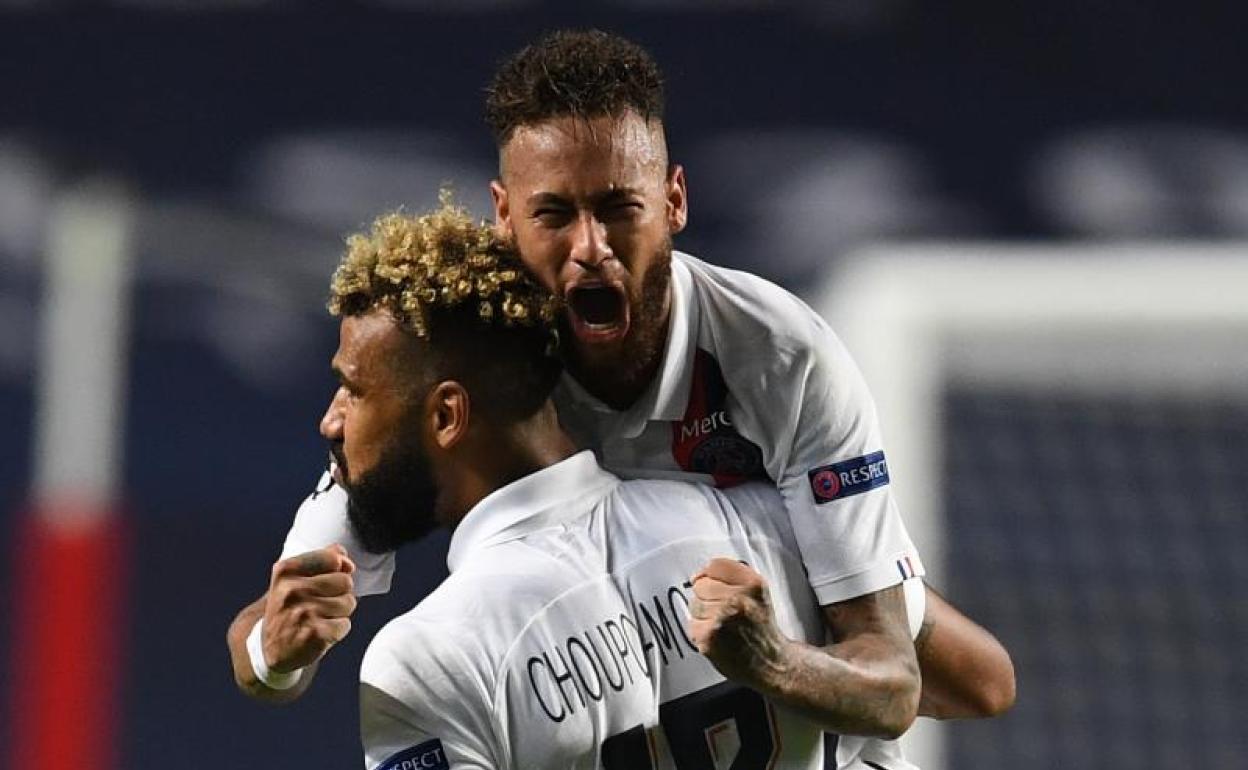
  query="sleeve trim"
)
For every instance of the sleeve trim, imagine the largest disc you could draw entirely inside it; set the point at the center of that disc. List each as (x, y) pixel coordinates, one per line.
(876, 577)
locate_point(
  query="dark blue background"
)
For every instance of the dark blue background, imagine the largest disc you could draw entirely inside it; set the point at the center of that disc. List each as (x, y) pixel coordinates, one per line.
(176, 102)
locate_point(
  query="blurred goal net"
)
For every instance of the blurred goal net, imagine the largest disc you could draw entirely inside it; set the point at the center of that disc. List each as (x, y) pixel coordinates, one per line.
(1067, 429)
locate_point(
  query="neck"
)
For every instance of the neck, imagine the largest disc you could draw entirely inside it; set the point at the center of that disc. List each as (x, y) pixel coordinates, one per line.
(498, 456)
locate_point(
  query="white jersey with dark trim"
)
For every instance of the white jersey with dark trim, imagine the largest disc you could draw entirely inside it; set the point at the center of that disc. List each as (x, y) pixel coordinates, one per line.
(560, 637)
(753, 385)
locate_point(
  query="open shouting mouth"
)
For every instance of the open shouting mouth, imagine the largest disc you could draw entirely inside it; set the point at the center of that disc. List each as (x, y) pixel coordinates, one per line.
(598, 312)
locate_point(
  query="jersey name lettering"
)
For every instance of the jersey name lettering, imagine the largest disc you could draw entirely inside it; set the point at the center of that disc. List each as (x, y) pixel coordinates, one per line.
(589, 665)
(610, 656)
(666, 633)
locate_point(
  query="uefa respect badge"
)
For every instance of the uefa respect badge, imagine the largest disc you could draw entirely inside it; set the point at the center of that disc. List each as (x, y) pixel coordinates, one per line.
(848, 478)
(426, 756)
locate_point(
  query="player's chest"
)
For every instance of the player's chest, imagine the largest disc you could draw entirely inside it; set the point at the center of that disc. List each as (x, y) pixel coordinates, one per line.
(706, 444)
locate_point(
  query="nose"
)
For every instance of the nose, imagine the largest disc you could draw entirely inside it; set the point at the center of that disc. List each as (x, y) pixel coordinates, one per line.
(331, 422)
(589, 242)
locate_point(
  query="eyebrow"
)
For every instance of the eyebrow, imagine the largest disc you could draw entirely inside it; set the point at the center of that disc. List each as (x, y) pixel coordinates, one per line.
(607, 196)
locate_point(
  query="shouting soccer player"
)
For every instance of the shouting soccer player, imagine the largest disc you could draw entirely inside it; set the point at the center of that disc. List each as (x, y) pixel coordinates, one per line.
(568, 633)
(676, 369)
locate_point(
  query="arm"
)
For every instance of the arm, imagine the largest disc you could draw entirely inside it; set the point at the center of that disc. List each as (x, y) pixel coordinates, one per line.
(422, 703)
(836, 509)
(966, 671)
(306, 610)
(244, 675)
(397, 736)
(865, 683)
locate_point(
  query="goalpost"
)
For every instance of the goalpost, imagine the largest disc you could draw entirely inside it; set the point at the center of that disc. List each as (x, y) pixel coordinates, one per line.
(68, 626)
(1146, 323)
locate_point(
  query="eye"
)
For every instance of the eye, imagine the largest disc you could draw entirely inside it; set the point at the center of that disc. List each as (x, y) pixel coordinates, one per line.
(551, 216)
(624, 209)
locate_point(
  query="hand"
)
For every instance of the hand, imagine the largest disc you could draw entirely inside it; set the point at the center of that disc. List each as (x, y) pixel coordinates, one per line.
(308, 607)
(732, 621)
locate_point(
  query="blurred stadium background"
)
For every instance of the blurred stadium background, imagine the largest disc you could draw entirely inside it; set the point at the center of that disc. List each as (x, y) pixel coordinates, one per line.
(176, 177)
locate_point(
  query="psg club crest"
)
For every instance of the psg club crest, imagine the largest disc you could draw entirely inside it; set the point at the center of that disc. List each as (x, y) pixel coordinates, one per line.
(727, 455)
(705, 440)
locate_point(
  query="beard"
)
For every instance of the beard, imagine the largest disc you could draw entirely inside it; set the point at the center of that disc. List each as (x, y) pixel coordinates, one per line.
(631, 364)
(393, 503)
(645, 340)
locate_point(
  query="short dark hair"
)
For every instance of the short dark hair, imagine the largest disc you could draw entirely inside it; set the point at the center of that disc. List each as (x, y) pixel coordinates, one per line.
(585, 73)
(455, 285)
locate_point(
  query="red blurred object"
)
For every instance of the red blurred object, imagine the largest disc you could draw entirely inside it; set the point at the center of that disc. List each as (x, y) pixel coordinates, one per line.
(68, 634)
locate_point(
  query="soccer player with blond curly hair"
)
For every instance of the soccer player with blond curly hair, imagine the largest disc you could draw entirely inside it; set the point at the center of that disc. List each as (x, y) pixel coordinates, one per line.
(679, 369)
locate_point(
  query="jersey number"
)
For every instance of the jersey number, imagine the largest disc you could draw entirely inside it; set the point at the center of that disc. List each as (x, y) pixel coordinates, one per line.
(698, 728)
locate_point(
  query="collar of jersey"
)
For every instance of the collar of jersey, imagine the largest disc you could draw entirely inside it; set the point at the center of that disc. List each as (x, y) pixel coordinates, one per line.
(555, 494)
(668, 394)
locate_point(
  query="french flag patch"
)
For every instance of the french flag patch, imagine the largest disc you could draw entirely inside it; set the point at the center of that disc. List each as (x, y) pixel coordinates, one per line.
(906, 567)
(848, 478)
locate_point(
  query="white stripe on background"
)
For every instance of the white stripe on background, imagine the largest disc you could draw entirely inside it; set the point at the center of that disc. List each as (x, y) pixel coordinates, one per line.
(83, 362)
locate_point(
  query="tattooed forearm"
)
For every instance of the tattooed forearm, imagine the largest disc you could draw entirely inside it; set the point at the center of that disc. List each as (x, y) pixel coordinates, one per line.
(866, 683)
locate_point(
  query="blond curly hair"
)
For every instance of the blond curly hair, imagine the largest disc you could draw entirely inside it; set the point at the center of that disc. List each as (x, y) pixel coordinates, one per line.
(414, 266)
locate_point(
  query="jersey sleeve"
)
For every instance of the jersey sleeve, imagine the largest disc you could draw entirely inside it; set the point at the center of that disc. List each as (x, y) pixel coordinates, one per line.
(833, 475)
(422, 705)
(322, 521)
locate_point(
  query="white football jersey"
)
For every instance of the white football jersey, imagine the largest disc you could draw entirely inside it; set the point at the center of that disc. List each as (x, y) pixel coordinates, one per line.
(753, 386)
(559, 640)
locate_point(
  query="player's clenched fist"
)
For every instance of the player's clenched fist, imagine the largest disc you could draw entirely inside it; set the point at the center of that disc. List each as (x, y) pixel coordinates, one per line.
(732, 621)
(308, 607)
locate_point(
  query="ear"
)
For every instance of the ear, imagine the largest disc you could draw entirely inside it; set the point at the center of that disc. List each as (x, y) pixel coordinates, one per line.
(447, 410)
(502, 209)
(677, 199)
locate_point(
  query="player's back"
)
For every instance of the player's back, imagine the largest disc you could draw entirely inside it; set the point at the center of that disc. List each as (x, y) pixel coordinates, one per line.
(502, 666)
(657, 534)
(560, 638)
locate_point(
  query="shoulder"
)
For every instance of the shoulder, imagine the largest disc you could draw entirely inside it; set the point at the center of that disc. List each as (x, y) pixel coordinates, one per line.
(767, 341)
(472, 619)
(644, 515)
(650, 500)
(417, 648)
(442, 633)
(736, 305)
(657, 515)
(648, 506)
(798, 393)
(426, 686)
